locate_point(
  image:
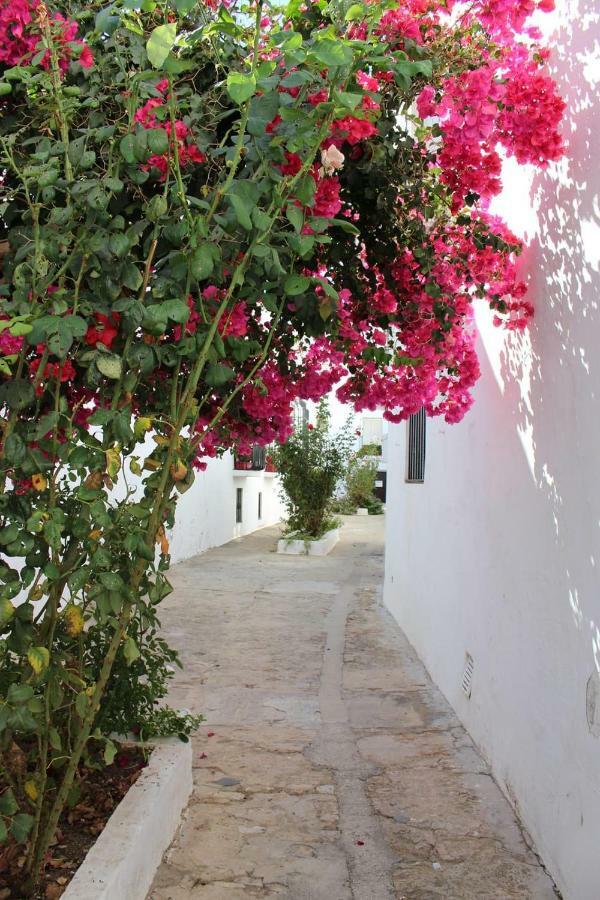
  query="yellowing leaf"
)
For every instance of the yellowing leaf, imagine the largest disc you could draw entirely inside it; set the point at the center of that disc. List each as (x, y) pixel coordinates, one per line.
(7, 611)
(113, 462)
(38, 482)
(38, 658)
(94, 481)
(31, 789)
(161, 538)
(142, 425)
(178, 470)
(73, 616)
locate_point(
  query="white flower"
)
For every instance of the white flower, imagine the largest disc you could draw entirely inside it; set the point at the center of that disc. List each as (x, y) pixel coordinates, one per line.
(332, 159)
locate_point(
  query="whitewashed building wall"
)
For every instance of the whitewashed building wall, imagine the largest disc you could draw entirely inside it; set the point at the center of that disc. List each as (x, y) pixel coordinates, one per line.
(497, 554)
(206, 514)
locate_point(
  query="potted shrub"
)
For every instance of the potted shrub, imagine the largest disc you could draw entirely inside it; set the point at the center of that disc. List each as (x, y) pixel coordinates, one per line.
(311, 463)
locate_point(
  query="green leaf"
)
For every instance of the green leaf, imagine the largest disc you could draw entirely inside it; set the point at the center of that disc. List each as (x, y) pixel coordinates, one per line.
(17, 394)
(263, 110)
(346, 226)
(261, 219)
(325, 310)
(110, 365)
(9, 533)
(302, 244)
(242, 210)
(38, 658)
(305, 190)
(176, 310)
(112, 581)
(328, 288)
(19, 693)
(14, 449)
(296, 216)
(202, 263)
(52, 534)
(3, 832)
(81, 704)
(433, 289)
(349, 100)
(45, 425)
(217, 374)
(332, 53)
(157, 207)
(414, 67)
(356, 11)
(158, 141)
(86, 160)
(105, 22)
(8, 804)
(54, 738)
(145, 550)
(296, 284)
(21, 826)
(127, 148)
(118, 244)
(131, 650)
(160, 44)
(240, 86)
(185, 6)
(110, 751)
(19, 329)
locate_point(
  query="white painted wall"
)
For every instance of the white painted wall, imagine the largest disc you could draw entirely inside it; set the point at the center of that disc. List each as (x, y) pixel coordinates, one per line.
(206, 513)
(498, 553)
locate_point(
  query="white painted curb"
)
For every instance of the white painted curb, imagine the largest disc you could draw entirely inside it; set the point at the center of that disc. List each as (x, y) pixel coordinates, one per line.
(122, 863)
(310, 548)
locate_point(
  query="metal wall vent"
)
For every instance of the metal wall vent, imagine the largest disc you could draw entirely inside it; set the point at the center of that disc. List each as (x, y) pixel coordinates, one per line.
(415, 456)
(468, 674)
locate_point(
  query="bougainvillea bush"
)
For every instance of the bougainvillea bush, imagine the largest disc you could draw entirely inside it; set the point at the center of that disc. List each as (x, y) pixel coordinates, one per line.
(208, 210)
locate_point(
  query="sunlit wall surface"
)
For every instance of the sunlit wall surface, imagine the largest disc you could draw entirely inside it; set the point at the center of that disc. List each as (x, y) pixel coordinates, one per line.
(497, 554)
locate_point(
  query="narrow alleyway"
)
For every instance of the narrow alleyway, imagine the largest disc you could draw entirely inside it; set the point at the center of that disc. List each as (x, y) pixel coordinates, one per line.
(329, 767)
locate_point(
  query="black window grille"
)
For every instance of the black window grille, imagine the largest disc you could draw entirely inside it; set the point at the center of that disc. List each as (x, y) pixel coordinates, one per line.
(415, 462)
(239, 494)
(260, 504)
(259, 455)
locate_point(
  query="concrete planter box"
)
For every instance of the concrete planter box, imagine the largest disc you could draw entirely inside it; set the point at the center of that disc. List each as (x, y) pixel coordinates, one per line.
(321, 547)
(123, 861)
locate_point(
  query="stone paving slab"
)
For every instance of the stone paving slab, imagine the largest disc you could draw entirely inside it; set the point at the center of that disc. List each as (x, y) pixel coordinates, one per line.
(330, 767)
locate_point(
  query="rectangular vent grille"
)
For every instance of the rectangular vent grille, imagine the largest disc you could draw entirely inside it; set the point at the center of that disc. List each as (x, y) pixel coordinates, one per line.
(467, 678)
(415, 467)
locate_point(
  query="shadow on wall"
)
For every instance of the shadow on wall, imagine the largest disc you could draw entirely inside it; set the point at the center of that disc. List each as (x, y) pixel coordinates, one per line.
(551, 375)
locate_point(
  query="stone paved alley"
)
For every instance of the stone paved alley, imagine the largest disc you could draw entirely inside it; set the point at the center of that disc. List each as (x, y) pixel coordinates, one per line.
(336, 769)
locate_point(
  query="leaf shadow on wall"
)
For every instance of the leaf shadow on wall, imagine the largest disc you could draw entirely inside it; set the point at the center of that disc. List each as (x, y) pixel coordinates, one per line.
(550, 375)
